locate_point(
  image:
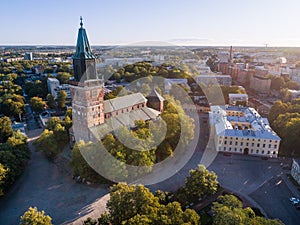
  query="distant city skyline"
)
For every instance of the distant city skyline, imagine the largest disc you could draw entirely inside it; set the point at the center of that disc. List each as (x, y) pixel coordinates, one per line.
(117, 22)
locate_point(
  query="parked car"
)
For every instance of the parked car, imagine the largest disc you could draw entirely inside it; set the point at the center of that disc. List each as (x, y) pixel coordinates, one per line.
(294, 200)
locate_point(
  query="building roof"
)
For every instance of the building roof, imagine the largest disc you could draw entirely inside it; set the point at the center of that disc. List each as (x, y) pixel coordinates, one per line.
(53, 79)
(260, 127)
(237, 95)
(83, 49)
(124, 119)
(155, 94)
(123, 102)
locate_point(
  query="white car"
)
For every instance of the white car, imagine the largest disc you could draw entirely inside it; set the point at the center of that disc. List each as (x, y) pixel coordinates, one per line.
(294, 200)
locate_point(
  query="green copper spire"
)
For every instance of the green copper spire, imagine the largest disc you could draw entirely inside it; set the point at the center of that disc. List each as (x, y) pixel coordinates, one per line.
(83, 49)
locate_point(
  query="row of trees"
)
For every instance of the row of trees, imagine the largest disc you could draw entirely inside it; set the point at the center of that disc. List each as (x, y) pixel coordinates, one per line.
(279, 82)
(14, 154)
(38, 105)
(12, 102)
(143, 69)
(285, 120)
(228, 210)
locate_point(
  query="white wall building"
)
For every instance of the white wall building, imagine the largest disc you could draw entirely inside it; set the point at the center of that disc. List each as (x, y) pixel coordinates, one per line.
(233, 98)
(242, 130)
(52, 84)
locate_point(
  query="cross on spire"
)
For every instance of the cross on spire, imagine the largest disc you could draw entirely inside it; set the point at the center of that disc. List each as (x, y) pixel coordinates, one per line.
(81, 23)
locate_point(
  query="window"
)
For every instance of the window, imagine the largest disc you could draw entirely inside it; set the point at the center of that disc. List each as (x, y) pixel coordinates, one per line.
(241, 149)
(251, 150)
(225, 142)
(262, 152)
(269, 145)
(257, 144)
(224, 148)
(242, 143)
(252, 145)
(229, 148)
(274, 153)
(230, 143)
(220, 148)
(235, 149)
(247, 144)
(275, 146)
(236, 143)
(257, 151)
(264, 145)
(268, 152)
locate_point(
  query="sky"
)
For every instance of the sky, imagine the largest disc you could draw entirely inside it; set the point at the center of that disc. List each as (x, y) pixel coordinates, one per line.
(182, 22)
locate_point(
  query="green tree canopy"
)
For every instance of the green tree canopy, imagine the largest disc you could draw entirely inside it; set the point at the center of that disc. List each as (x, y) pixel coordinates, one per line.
(5, 129)
(37, 104)
(34, 217)
(61, 99)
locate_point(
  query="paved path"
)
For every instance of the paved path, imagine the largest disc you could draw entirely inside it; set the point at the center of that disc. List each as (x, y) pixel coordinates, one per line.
(44, 186)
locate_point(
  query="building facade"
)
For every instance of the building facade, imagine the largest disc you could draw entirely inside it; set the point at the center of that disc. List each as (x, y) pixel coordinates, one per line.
(242, 130)
(235, 98)
(260, 84)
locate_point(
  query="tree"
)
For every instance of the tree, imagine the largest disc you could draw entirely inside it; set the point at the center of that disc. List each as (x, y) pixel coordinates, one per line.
(47, 143)
(127, 201)
(228, 210)
(135, 204)
(5, 129)
(277, 83)
(200, 183)
(50, 101)
(278, 108)
(37, 104)
(63, 77)
(34, 217)
(3, 172)
(292, 85)
(61, 99)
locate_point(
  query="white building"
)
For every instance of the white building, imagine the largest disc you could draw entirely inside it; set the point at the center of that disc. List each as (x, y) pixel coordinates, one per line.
(170, 81)
(52, 84)
(213, 79)
(54, 88)
(233, 98)
(242, 130)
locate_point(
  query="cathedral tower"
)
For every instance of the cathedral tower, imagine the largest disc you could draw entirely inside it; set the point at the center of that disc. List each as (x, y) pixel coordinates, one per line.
(87, 89)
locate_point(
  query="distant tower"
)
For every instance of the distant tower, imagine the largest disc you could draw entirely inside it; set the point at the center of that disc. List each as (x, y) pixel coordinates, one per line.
(87, 89)
(230, 55)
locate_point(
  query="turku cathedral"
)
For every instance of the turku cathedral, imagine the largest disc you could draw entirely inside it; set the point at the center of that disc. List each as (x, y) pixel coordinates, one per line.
(94, 117)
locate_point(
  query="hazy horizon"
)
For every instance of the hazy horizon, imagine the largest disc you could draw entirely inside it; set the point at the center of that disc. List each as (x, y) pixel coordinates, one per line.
(193, 23)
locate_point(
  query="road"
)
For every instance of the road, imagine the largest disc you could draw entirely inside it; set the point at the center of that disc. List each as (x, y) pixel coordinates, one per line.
(45, 186)
(273, 196)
